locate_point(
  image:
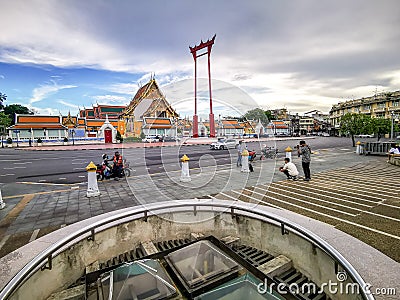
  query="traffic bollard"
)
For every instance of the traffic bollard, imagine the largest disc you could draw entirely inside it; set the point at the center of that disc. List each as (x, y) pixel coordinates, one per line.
(245, 161)
(93, 188)
(185, 176)
(2, 204)
(288, 151)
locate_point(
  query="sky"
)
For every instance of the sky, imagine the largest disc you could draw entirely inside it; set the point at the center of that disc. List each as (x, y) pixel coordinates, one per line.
(59, 56)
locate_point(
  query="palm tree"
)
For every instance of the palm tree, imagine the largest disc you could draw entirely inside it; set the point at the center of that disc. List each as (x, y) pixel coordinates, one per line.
(3, 98)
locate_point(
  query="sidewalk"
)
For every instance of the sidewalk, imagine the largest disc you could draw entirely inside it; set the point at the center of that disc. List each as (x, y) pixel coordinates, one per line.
(29, 216)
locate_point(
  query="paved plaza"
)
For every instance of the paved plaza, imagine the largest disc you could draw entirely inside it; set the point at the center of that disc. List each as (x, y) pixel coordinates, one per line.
(356, 194)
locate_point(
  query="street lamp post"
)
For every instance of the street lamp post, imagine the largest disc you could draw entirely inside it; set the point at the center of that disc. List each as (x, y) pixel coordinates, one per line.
(392, 127)
(72, 133)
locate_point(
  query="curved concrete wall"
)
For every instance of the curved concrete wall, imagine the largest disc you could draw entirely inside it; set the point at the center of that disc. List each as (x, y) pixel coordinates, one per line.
(69, 265)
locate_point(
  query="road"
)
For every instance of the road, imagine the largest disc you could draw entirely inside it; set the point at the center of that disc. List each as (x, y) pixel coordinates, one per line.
(68, 167)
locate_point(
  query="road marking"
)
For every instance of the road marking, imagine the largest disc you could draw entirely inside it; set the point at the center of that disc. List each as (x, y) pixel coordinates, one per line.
(7, 175)
(299, 200)
(42, 180)
(82, 176)
(81, 169)
(34, 235)
(337, 204)
(332, 217)
(22, 163)
(325, 196)
(4, 240)
(14, 212)
(62, 178)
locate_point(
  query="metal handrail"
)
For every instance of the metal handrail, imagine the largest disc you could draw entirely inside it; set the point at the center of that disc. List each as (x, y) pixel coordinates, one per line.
(182, 206)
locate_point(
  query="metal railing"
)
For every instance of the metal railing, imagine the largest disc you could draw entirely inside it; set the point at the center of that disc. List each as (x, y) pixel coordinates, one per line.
(44, 259)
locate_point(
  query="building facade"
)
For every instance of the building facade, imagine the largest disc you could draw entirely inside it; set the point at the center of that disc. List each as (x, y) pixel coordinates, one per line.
(384, 105)
(150, 113)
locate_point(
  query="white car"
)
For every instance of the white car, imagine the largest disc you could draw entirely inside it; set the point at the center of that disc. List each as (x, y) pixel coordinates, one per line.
(150, 139)
(365, 135)
(222, 144)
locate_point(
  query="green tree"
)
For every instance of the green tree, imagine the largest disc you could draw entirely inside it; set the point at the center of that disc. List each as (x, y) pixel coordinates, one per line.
(354, 124)
(13, 109)
(5, 120)
(380, 126)
(269, 115)
(3, 98)
(119, 137)
(256, 114)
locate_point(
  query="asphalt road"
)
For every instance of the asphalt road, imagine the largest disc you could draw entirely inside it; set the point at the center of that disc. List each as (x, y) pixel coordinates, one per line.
(67, 167)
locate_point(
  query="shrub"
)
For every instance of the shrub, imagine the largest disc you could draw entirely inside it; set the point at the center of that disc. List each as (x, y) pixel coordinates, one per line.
(119, 137)
(65, 139)
(9, 140)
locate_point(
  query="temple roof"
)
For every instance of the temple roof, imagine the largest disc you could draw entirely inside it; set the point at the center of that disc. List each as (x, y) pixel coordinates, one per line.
(150, 92)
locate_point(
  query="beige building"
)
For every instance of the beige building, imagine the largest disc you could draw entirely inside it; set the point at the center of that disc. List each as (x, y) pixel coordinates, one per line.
(384, 105)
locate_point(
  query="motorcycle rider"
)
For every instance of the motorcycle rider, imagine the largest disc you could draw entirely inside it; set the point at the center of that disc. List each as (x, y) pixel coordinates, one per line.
(107, 167)
(118, 164)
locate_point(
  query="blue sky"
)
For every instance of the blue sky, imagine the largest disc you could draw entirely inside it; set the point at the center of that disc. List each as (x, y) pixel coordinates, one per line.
(56, 56)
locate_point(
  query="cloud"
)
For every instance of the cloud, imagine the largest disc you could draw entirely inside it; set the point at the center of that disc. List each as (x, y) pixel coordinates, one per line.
(279, 52)
(68, 104)
(111, 99)
(2, 76)
(44, 91)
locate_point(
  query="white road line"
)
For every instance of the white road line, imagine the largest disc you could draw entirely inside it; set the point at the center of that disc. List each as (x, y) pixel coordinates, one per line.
(19, 167)
(22, 163)
(62, 178)
(255, 199)
(378, 202)
(4, 240)
(7, 175)
(338, 219)
(42, 180)
(34, 235)
(310, 203)
(325, 196)
(351, 186)
(7, 168)
(81, 176)
(337, 204)
(79, 169)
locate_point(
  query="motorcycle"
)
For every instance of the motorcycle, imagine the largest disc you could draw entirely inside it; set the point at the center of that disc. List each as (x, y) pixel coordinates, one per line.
(106, 171)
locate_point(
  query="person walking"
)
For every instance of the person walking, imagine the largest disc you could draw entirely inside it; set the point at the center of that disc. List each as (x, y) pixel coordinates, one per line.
(305, 152)
(240, 149)
(289, 169)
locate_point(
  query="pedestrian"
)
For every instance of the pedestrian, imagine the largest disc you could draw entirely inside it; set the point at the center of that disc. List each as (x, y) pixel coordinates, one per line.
(289, 169)
(118, 164)
(240, 149)
(393, 150)
(30, 142)
(305, 152)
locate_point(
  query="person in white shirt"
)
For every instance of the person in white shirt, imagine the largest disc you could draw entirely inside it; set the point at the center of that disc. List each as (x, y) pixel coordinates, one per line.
(393, 150)
(289, 169)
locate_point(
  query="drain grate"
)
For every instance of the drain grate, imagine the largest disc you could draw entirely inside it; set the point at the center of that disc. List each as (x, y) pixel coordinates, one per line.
(254, 256)
(138, 253)
(171, 244)
(302, 287)
(123, 258)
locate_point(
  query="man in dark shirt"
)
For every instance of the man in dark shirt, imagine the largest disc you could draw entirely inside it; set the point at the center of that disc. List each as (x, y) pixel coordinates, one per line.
(305, 152)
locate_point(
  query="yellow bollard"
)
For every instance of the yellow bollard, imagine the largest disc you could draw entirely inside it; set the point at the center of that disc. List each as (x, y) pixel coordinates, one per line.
(185, 176)
(288, 151)
(93, 189)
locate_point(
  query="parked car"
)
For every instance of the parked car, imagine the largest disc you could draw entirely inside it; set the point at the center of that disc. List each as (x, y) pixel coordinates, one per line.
(365, 135)
(171, 139)
(150, 139)
(325, 134)
(224, 143)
